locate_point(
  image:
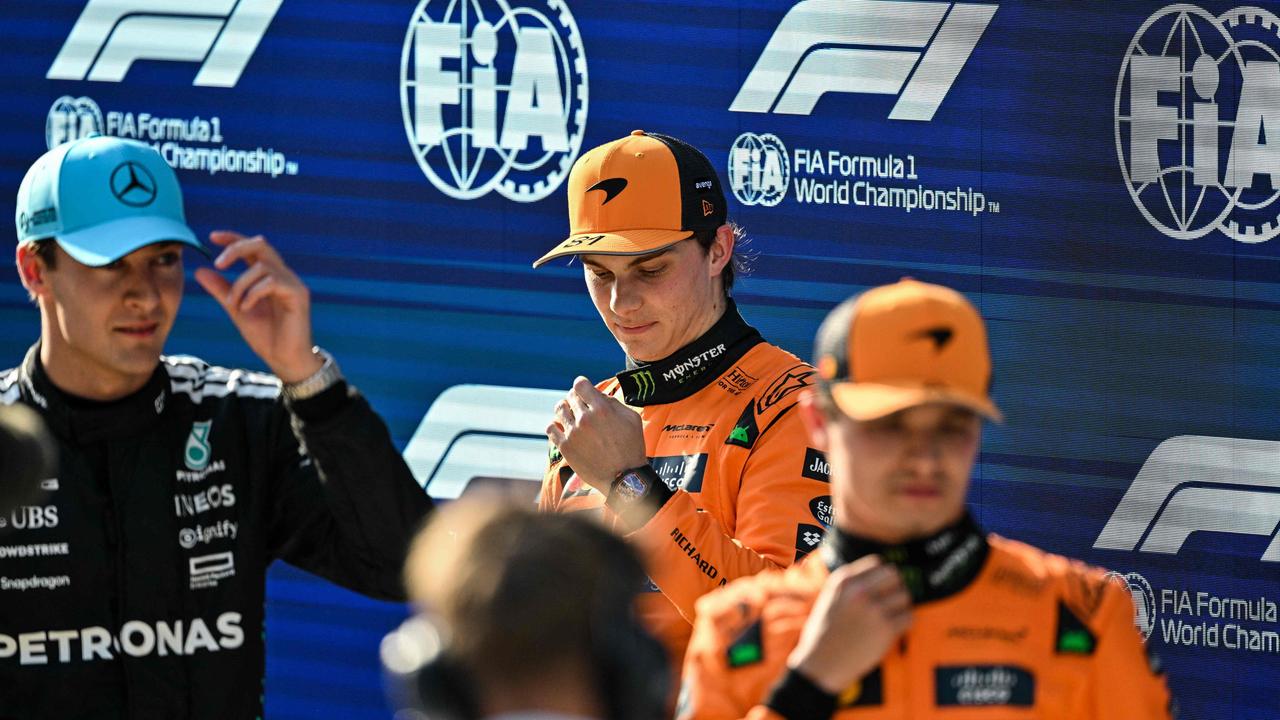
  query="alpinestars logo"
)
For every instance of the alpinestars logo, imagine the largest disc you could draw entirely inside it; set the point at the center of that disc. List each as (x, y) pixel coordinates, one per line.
(860, 46)
(1196, 111)
(1196, 484)
(111, 34)
(494, 95)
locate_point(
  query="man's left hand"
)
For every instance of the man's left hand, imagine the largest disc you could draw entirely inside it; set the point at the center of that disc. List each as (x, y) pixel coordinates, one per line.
(268, 304)
(598, 436)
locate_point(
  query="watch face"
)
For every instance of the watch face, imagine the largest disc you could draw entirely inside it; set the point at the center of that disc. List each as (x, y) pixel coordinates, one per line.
(631, 487)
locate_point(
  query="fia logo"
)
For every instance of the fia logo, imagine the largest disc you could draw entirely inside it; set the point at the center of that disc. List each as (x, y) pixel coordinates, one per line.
(1144, 600)
(72, 118)
(110, 35)
(1196, 110)
(494, 95)
(197, 452)
(759, 169)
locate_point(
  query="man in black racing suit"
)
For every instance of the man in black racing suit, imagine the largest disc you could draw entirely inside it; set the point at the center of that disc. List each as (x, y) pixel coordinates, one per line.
(134, 587)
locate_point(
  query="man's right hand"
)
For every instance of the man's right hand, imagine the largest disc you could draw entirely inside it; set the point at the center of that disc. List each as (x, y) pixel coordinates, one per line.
(863, 607)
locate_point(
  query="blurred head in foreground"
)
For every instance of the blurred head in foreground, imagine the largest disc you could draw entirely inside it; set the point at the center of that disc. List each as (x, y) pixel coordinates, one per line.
(523, 612)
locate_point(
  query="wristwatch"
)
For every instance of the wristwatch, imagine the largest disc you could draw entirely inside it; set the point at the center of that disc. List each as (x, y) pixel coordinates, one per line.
(636, 495)
(632, 485)
(326, 377)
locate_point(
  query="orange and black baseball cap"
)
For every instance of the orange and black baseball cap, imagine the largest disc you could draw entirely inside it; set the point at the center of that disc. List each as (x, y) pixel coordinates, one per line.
(638, 195)
(898, 346)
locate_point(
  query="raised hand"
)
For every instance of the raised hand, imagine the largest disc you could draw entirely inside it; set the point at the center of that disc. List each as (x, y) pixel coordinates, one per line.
(268, 303)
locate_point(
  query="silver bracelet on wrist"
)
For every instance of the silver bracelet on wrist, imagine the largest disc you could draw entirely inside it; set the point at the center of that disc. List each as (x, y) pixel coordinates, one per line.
(326, 377)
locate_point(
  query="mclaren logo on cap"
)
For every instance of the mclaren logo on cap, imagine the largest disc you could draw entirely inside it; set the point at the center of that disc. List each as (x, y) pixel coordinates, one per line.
(133, 185)
(939, 335)
(611, 188)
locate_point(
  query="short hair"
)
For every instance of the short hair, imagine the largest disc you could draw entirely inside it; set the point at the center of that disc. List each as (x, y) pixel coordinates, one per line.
(46, 249)
(516, 592)
(740, 263)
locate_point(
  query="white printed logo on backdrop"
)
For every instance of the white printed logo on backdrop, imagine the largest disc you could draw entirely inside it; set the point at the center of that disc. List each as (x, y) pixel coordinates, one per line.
(494, 95)
(110, 35)
(1197, 112)
(864, 47)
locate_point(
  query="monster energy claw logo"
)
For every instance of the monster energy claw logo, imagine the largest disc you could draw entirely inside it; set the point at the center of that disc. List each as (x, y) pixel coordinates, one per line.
(197, 452)
(645, 386)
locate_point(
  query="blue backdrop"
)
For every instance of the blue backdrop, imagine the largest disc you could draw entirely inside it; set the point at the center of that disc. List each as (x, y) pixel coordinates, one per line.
(1101, 178)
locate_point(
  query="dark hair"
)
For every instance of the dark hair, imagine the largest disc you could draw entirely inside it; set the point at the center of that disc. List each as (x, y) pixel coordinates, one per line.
(512, 584)
(741, 260)
(46, 250)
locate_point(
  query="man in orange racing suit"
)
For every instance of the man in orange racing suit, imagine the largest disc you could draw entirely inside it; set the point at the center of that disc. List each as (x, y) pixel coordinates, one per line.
(908, 610)
(696, 449)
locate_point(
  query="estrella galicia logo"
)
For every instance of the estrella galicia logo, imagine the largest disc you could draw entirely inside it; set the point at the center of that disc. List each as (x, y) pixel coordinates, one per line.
(821, 509)
(1144, 600)
(72, 118)
(133, 185)
(1196, 110)
(759, 169)
(494, 95)
(197, 452)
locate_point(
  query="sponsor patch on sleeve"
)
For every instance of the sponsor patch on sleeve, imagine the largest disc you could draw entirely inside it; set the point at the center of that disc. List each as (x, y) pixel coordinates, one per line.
(815, 466)
(808, 537)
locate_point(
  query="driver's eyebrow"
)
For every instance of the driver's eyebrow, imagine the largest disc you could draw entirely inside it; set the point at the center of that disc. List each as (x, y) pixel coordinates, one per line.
(633, 263)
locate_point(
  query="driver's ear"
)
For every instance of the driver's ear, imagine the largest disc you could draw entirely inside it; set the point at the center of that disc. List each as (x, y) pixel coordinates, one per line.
(33, 269)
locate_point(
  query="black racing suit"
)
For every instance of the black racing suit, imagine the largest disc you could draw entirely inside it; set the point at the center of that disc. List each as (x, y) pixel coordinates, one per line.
(134, 588)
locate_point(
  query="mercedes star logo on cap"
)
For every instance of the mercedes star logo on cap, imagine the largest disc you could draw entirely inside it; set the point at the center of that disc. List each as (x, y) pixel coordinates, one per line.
(133, 185)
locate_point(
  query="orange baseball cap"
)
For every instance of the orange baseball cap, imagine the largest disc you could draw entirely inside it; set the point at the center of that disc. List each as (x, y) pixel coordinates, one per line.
(898, 346)
(639, 194)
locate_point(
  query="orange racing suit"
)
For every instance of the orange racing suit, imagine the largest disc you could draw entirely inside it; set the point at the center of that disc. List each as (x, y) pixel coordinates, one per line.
(1022, 634)
(743, 491)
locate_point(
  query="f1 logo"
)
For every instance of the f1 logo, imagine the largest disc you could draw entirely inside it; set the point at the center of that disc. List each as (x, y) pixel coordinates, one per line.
(1193, 483)
(111, 34)
(824, 46)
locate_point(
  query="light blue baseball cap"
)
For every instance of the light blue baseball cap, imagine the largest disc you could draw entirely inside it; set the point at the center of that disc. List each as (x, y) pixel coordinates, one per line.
(102, 198)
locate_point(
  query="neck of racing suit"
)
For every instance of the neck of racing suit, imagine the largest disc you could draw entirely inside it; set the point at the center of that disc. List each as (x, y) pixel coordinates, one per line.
(80, 420)
(692, 367)
(933, 567)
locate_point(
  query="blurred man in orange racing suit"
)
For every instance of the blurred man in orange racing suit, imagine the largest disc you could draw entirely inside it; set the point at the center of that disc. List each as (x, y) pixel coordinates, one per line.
(908, 610)
(696, 449)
